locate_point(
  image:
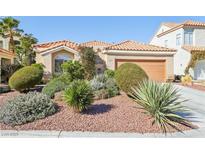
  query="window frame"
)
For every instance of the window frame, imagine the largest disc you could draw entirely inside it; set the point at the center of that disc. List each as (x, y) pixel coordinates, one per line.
(62, 58)
(190, 40)
(165, 43)
(178, 39)
(2, 42)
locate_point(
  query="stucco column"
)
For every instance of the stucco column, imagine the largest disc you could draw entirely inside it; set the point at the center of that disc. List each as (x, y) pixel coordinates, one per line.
(76, 56)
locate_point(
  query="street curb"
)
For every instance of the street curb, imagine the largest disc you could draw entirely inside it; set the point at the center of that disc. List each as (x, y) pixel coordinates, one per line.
(195, 133)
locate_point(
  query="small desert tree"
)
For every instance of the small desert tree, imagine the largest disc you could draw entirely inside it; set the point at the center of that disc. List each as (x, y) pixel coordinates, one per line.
(88, 61)
(24, 51)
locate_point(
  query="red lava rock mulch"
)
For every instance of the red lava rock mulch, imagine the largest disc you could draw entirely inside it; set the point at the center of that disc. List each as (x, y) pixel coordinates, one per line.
(5, 96)
(117, 114)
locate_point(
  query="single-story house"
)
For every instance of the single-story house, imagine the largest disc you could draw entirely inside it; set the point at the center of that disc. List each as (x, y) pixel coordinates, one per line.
(156, 61)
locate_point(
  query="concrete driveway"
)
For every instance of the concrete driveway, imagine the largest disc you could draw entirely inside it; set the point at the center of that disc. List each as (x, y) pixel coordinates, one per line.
(196, 104)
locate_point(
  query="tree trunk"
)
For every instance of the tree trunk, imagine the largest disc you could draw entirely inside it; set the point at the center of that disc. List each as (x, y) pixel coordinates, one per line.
(11, 42)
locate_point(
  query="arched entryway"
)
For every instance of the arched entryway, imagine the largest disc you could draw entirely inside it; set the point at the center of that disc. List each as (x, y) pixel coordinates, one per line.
(199, 70)
(59, 59)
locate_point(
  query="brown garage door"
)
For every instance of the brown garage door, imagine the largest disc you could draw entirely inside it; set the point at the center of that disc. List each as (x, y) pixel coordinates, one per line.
(155, 69)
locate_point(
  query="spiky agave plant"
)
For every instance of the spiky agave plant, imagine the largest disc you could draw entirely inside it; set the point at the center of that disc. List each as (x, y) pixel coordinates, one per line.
(162, 102)
(79, 95)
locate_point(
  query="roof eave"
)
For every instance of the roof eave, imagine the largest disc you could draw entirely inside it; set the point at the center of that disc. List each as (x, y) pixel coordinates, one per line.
(138, 52)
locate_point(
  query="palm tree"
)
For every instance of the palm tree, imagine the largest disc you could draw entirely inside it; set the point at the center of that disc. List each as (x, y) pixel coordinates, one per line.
(9, 28)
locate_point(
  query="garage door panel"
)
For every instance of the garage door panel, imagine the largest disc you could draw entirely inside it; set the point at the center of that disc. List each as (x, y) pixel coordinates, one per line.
(155, 69)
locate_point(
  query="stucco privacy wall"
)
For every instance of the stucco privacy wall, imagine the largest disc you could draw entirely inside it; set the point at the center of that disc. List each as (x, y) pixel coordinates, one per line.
(110, 61)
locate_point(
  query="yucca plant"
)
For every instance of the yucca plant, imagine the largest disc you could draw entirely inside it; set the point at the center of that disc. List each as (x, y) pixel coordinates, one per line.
(162, 102)
(79, 95)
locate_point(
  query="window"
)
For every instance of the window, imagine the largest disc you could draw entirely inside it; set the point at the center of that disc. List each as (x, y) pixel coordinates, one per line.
(1, 44)
(60, 59)
(165, 43)
(188, 37)
(178, 39)
(16, 42)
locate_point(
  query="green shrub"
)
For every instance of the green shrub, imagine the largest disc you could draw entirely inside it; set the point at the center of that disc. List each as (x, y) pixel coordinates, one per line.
(56, 85)
(88, 58)
(111, 88)
(26, 108)
(109, 73)
(104, 87)
(25, 78)
(162, 102)
(79, 95)
(101, 94)
(38, 65)
(7, 70)
(98, 82)
(129, 75)
(74, 69)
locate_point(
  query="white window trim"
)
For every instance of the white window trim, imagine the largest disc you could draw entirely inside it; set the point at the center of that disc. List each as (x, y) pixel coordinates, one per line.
(178, 39)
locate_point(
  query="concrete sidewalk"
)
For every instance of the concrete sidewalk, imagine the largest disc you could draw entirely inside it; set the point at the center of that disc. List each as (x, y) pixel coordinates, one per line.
(198, 133)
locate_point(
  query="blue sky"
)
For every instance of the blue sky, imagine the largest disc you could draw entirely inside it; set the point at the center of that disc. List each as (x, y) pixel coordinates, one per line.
(109, 29)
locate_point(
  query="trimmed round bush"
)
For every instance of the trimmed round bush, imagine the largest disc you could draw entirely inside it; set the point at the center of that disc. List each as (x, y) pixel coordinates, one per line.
(79, 95)
(25, 78)
(26, 108)
(56, 85)
(129, 75)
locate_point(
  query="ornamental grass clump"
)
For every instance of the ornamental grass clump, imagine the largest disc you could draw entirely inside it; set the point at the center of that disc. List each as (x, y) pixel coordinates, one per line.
(162, 102)
(79, 95)
(26, 108)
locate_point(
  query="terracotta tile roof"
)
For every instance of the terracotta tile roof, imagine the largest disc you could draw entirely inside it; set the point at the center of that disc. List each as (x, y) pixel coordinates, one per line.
(170, 24)
(193, 23)
(188, 23)
(95, 43)
(6, 52)
(135, 46)
(193, 48)
(51, 45)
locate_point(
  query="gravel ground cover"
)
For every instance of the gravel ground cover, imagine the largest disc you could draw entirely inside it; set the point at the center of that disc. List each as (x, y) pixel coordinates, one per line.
(117, 114)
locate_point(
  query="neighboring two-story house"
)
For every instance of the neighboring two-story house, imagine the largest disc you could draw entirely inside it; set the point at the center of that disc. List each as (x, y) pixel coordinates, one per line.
(186, 38)
(6, 56)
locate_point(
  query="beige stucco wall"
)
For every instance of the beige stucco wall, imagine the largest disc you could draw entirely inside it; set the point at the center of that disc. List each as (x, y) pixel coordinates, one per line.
(48, 59)
(110, 61)
(7, 56)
